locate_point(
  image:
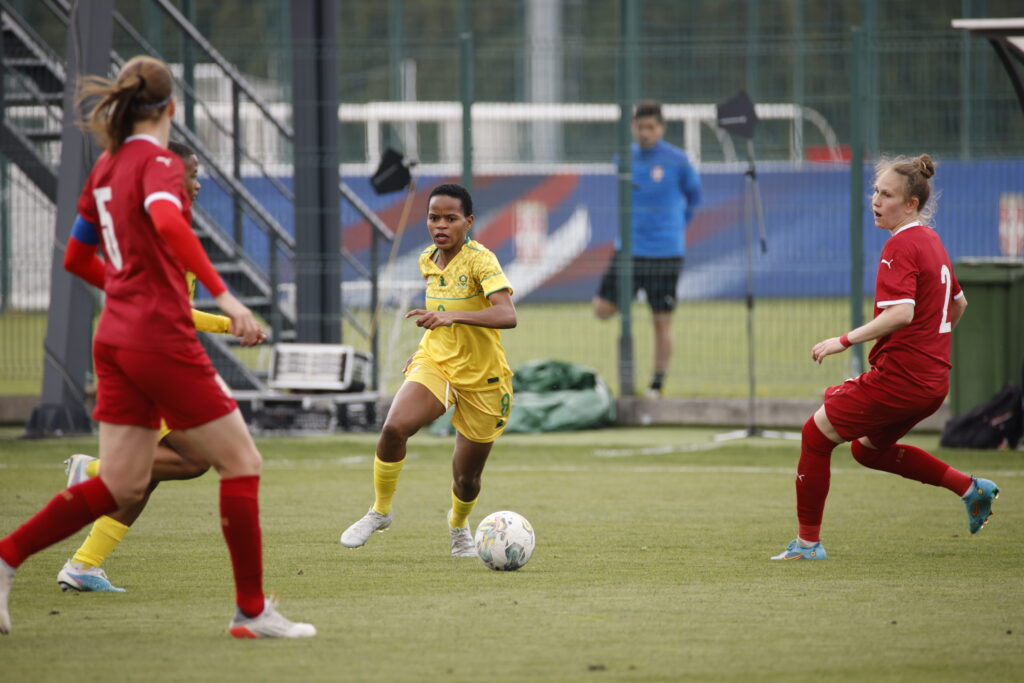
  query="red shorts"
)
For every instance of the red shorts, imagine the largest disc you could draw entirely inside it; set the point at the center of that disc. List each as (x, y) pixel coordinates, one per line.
(140, 387)
(860, 407)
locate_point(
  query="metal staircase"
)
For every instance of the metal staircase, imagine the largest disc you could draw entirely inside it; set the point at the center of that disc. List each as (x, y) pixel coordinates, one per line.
(30, 131)
(32, 97)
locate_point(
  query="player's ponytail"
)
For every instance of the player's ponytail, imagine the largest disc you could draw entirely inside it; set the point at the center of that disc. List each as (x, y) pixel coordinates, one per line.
(917, 172)
(141, 91)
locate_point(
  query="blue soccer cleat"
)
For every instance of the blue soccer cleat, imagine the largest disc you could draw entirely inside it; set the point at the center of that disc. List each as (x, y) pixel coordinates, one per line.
(794, 551)
(74, 468)
(978, 501)
(73, 576)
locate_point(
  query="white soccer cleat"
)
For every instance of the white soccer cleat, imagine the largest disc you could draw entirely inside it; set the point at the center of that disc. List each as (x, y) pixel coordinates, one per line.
(6, 579)
(462, 541)
(74, 468)
(268, 624)
(359, 533)
(73, 576)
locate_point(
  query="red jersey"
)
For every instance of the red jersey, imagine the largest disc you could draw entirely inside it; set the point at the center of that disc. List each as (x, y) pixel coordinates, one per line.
(915, 269)
(147, 305)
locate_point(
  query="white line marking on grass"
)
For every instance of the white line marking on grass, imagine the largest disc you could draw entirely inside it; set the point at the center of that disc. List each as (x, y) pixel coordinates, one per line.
(643, 469)
(655, 469)
(655, 450)
(734, 469)
(314, 463)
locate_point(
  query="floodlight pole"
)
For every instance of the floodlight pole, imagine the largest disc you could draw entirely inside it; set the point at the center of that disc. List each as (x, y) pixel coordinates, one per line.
(315, 120)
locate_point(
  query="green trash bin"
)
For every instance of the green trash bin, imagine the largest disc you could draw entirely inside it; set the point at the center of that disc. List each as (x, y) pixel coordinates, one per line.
(988, 343)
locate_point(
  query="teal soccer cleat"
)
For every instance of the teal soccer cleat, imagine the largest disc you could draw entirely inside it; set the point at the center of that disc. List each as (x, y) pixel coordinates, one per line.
(978, 501)
(794, 551)
(73, 576)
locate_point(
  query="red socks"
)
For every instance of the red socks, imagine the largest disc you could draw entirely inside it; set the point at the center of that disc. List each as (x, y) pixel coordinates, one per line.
(912, 463)
(66, 513)
(812, 480)
(240, 522)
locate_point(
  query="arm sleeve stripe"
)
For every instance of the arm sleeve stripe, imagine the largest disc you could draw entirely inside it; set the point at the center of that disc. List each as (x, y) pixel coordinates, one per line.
(960, 295)
(886, 304)
(84, 231)
(505, 286)
(159, 196)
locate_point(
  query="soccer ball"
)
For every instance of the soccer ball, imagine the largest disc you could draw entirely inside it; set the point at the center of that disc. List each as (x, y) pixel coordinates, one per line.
(504, 540)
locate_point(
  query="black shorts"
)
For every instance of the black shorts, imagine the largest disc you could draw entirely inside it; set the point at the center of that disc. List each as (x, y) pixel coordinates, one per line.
(658, 277)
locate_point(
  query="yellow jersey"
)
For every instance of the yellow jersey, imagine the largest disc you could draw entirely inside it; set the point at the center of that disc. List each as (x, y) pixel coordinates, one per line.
(471, 356)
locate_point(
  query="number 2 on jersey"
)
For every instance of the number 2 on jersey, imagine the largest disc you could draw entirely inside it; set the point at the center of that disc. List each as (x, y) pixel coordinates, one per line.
(945, 327)
(103, 195)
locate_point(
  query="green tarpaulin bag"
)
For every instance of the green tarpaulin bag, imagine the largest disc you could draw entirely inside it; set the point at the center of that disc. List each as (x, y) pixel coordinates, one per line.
(552, 396)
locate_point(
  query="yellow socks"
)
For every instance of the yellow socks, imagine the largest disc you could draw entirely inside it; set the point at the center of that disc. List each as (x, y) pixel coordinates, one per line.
(104, 536)
(385, 479)
(460, 512)
(93, 468)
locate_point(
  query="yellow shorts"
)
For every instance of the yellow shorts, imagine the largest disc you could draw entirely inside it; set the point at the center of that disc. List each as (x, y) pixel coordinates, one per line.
(479, 415)
(164, 430)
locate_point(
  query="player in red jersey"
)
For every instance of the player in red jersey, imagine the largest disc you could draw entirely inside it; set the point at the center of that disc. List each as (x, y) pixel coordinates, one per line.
(176, 458)
(918, 301)
(147, 358)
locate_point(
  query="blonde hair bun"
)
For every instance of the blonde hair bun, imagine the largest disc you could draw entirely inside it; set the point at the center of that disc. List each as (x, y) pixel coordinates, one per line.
(924, 165)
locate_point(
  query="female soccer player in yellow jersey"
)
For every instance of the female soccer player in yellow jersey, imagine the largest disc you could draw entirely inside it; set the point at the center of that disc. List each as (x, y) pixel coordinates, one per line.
(460, 362)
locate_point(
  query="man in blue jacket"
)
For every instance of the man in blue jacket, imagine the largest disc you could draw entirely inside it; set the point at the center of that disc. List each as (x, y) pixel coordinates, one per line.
(666, 190)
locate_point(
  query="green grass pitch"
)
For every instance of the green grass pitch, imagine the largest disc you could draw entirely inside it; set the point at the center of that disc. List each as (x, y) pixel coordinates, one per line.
(651, 565)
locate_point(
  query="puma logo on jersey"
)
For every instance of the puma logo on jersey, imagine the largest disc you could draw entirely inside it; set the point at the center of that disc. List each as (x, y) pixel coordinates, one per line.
(166, 161)
(888, 263)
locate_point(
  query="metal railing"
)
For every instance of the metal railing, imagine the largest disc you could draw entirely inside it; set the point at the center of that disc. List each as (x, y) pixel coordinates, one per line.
(229, 124)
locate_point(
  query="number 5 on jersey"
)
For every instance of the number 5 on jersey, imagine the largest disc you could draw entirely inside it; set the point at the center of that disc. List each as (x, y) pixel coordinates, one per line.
(102, 195)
